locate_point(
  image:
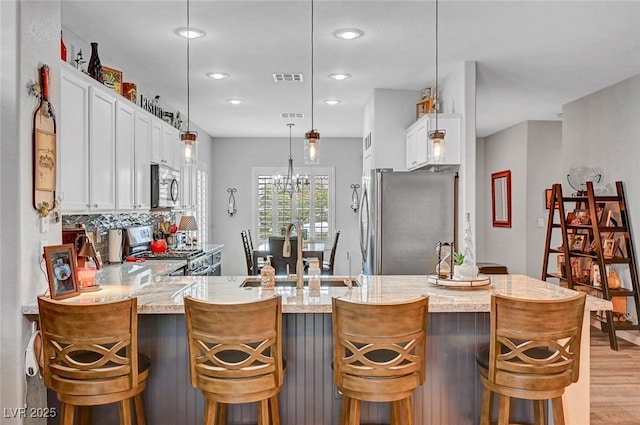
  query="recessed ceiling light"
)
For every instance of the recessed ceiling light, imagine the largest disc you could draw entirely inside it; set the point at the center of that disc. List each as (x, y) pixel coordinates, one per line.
(235, 101)
(190, 32)
(218, 75)
(348, 33)
(339, 77)
(332, 102)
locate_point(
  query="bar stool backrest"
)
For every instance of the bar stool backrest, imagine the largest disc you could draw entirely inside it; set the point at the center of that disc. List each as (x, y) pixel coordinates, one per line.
(235, 350)
(379, 348)
(89, 349)
(535, 344)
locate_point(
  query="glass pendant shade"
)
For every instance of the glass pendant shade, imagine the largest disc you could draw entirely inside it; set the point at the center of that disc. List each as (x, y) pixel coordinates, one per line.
(436, 146)
(312, 147)
(189, 139)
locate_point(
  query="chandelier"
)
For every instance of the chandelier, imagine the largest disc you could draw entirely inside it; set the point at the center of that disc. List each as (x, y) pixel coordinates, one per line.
(291, 183)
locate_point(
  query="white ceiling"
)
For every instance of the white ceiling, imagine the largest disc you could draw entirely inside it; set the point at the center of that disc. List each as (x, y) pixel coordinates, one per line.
(532, 56)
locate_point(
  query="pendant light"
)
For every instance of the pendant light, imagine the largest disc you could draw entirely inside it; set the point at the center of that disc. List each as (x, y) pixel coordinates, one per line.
(312, 137)
(291, 183)
(188, 137)
(436, 137)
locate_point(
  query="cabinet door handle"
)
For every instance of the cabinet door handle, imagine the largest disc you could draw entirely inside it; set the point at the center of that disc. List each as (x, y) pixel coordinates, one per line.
(88, 205)
(95, 205)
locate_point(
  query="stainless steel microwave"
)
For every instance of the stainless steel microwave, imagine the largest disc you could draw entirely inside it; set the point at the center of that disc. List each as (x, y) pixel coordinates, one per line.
(165, 187)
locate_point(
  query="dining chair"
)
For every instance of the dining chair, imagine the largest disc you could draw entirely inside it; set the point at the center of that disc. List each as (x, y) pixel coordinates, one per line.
(260, 261)
(379, 355)
(235, 355)
(247, 252)
(90, 357)
(327, 266)
(278, 262)
(533, 354)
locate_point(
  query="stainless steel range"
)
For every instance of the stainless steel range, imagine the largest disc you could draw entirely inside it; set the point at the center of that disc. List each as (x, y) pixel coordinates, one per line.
(200, 262)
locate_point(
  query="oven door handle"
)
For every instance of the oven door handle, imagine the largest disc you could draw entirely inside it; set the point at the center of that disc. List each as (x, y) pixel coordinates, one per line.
(201, 272)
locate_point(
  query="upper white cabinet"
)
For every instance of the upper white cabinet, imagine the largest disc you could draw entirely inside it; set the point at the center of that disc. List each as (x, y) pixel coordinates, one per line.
(142, 160)
(105, 147)
(133, 137)
(417, 141)
(165, 140)
(102, 153)
(73, 147)
(387, 114)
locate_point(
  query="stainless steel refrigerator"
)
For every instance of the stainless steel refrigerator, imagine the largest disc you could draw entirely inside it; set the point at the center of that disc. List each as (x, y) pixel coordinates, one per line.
(402, 217)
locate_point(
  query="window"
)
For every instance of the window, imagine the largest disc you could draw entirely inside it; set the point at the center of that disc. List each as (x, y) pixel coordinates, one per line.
(313, 205)
(202, 217)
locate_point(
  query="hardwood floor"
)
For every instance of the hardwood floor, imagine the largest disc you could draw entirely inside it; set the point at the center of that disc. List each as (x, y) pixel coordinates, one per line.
(615, 382)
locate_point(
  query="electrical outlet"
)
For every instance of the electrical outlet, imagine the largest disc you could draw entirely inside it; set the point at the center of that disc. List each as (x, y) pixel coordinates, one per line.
(540, 222)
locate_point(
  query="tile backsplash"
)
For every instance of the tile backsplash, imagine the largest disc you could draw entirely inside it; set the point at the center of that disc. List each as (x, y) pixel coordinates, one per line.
(100, 224)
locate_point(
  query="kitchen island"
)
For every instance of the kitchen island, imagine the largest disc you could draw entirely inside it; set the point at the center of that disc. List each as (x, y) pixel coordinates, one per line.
(458, 324)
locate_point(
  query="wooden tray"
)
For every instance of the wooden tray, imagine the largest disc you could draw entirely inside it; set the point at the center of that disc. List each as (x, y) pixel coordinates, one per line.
(483, 281)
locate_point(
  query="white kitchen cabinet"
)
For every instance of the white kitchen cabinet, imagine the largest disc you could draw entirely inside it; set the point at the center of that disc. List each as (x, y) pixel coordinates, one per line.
(73, 147)
(125, 156)
(417, 141)
(102, 152)
(165, 139)
(133, 137)
(142, 182)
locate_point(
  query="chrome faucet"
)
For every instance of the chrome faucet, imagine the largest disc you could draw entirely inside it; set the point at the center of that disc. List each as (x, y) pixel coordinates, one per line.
(286, 251)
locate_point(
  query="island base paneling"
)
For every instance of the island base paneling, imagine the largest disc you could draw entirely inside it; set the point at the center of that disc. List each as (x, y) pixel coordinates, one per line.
(450, 395)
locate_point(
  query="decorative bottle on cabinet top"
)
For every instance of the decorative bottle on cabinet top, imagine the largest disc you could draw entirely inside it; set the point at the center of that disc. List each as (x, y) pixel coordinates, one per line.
(94, 69)
(63, 49)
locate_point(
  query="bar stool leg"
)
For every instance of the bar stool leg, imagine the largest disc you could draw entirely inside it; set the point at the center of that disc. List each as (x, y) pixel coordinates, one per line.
(503, 410)
(210, 410)
(124, 409)
(487, 403)
(274, 409)
(221, 413)
(558, 411)
(263, 412)
(354, 412)
(538, 412)
(84, 415)
(66, 414)
(394, 413)
(137, 402)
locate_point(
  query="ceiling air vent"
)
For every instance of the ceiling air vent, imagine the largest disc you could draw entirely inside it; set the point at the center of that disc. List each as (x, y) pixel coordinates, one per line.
(287, 77)
(292, 115)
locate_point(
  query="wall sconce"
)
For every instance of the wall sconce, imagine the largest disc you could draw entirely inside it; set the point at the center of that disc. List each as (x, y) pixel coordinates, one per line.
(231, 210)
(355, 204)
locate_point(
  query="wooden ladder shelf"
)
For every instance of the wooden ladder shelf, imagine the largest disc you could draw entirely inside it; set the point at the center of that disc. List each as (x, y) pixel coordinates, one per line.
(596, 241)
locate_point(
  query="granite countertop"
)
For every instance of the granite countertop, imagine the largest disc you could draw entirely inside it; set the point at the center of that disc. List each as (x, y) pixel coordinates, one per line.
(163, 295)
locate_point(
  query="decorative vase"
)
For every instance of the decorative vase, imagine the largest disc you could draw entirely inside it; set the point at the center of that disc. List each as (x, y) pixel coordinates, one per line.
(468, 269)
(94, 69)
(63, 49)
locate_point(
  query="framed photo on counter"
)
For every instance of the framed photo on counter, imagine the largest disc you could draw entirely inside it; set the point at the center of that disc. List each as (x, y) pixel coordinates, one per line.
(61, 271)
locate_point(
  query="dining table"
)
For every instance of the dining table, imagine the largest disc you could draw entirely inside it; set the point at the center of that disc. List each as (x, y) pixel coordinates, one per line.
(309, 250)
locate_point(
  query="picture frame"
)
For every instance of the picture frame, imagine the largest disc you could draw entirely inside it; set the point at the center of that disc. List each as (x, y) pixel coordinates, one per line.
(578, 242)
(581, 217)
(560, 264)
(609, 247)
(600, 207)
(61, 271)
(548, 194)
(595, 274)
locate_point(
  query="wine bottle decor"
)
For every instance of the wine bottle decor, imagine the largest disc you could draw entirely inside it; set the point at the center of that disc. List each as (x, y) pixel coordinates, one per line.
(94, 68)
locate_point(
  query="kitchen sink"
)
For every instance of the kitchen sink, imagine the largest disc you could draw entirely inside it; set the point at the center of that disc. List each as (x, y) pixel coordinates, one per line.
(325, 282)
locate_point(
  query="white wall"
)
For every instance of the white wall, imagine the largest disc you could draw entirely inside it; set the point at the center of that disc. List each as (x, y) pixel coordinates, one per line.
(603, 130)
(531, 151)
(30, 37)
(231, 162)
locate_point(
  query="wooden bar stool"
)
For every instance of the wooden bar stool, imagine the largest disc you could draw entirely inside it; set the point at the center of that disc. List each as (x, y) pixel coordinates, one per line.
(379, 355)
(90, 357)
(235, 356)
(533, 354)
